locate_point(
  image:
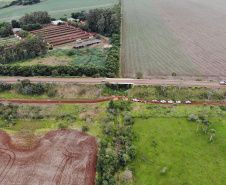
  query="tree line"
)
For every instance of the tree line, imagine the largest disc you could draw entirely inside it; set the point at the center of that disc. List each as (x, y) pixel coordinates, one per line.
(104, 21)
(21, 2)
(30, 48)
(47, 70)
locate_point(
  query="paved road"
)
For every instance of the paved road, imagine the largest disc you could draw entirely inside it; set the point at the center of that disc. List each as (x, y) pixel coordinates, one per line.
(116, 80)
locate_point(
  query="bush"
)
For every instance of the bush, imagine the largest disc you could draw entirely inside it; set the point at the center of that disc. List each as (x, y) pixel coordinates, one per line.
(62, 126)
(23, 33)
(139, 75)
(192, 117)
(85, 128)
(52, 93)
(4, 86)
(223, 107)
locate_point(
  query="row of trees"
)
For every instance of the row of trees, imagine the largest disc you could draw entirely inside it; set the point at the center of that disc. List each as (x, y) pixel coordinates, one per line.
(112, 63)
(41, 17)
(79, 15)
(116, 147)
(21, 2)
(30, 48)
(46, 70)
(104, 21)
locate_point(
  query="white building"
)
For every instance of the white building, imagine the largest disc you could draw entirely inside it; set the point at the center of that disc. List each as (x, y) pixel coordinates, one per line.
(15, 30)
(56, 22)
(71, 19)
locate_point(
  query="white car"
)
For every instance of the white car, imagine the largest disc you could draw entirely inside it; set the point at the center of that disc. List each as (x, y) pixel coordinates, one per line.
(136, 100)
(178, 101)
(188, 102)
(155, 101)
(222, 83)
(171, 101)
(103, 80)
(163, 101)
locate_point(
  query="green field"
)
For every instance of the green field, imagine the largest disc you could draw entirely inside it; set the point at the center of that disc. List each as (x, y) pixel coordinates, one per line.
(189, 157)
(148, 45)
(56, 8)
(92, 56)
(8, 40)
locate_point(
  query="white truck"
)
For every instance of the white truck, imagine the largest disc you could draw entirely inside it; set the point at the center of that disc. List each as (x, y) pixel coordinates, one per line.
(223, 82)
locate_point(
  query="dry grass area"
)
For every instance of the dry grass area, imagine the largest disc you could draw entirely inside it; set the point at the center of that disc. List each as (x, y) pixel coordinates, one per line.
(51, 60)
(79, 91)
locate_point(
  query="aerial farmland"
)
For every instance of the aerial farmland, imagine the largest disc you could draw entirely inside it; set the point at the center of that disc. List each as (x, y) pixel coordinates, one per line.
(182, 36)
(55, 8)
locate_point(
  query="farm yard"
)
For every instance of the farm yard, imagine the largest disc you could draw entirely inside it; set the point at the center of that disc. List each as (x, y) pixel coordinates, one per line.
(8, 40)
(57, 35)
(55, 8)
(182, 36)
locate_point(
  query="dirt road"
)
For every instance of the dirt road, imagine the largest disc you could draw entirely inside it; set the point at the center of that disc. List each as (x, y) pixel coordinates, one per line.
(99, 101)
(116, 80)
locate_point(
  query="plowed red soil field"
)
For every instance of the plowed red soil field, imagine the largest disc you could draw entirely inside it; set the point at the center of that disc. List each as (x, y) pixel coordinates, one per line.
(60, 157)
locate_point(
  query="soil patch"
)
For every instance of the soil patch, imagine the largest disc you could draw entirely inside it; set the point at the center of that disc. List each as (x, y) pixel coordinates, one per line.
(60, 157)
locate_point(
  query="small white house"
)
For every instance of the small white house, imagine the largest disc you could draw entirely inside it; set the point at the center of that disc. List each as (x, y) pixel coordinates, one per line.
(15, 30)
(71, 19)
(56, 22)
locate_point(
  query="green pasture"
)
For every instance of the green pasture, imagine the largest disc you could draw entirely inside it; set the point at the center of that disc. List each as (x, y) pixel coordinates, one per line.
(92, 56)
(172, 143)
(56, 8)
(148, 45)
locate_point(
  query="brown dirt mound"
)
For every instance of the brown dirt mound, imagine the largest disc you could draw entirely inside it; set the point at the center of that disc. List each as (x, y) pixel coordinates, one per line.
(60, 157)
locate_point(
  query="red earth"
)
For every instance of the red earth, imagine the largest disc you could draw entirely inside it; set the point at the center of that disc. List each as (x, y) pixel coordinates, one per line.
(60, 157)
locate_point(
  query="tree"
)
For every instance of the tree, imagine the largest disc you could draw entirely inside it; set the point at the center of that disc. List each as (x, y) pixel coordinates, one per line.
(174, 74)
(209, 94)
(204, 105)
(174, 105)
(206, 123)
(198, 124)
(15, 24)
(212, 132)
(139, 75)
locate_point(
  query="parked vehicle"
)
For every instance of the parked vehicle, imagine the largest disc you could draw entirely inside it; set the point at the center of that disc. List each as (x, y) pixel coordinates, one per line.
(223, 82)
(163, 101)
(136, 100)
(155, 101)
(178, 101)
(188, 102)
(171, 101)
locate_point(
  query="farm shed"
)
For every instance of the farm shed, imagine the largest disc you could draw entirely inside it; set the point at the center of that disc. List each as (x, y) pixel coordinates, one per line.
(88, 43)
(15, 30)
(56, 22)
(71, 19)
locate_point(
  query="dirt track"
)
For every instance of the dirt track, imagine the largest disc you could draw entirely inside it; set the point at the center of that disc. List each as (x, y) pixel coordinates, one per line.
(99, 101)
(60, 157)
(116, 80)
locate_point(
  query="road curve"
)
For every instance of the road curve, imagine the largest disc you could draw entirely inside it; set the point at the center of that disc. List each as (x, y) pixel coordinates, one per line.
(116, 80)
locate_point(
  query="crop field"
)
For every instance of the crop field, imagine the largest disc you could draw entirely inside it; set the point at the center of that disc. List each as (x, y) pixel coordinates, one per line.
(55, 8)
(172, 143)
(57, 35)
(166, 36)
(60, 157)
(8, 40)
